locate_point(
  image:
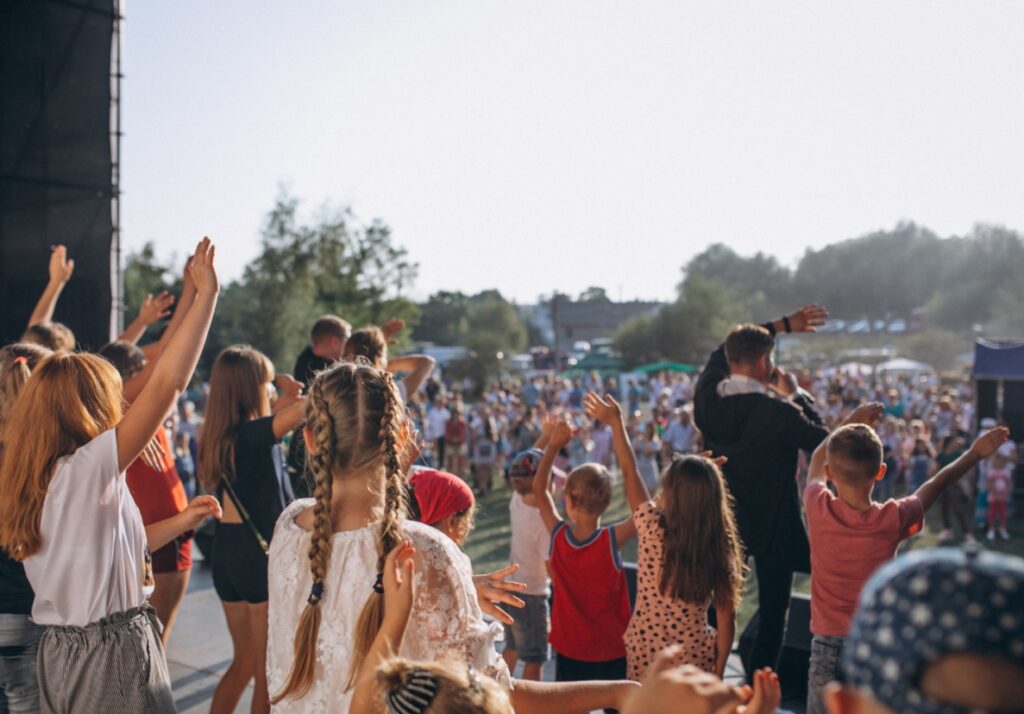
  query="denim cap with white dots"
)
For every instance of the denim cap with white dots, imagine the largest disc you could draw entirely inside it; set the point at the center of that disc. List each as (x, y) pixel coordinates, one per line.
(924, 606)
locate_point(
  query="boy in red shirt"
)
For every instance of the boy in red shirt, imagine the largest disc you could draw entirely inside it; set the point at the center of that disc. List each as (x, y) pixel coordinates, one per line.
(851, 535)
(591, 606)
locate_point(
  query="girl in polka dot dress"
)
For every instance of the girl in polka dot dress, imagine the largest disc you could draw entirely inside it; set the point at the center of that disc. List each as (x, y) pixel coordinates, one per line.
(689, 557)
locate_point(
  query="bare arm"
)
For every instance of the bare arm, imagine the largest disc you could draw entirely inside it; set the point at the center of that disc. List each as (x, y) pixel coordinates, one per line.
(725, 624)
(564, 697)
(289, 418)
(542, 479)
(163, 532)
(152, 310)
(868, 414)
(188, 296)
(983, 447)
(418, 367)
(60, 273)
(608, 411)
(173, 371)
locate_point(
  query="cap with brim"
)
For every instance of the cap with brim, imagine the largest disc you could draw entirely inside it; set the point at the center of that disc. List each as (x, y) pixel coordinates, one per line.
(525, 463)
(924, 606)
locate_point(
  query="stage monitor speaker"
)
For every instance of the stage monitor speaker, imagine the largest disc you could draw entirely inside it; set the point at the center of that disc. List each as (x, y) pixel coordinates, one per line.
(57, 175)
(796, 647)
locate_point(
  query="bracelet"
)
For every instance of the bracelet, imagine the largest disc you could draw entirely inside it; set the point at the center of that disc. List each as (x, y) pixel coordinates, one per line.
(785, 323)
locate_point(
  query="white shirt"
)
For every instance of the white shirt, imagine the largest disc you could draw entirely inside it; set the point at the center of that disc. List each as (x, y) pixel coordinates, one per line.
(680, 437)
(93, 560)
(528, 546)
(446, 622)
(437, 419)
(740, 384)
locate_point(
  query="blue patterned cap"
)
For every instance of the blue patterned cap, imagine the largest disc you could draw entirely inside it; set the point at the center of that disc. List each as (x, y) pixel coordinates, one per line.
(926, 605)
(525, 463)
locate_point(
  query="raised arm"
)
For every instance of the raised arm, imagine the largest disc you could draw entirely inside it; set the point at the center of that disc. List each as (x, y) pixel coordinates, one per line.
(399, 593)
(607, 411)
(290, 407)
(418, 368)
(173, 371)
(983, 447)
(188, 296)
(869, 414)
(153, 309)
(60, 273)
(558, 437)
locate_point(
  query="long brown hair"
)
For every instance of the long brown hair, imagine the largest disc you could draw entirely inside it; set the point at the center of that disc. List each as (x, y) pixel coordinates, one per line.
(16, 364)
(356, 419)
(237, 394)
(702, 558)
(370, 344)
(69, 400)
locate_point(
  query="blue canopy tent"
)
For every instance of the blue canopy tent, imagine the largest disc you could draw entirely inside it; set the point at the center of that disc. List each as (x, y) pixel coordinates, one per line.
(999, 383)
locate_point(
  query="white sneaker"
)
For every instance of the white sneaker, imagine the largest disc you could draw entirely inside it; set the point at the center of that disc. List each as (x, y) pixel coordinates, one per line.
(1004, 534)
(991, 534)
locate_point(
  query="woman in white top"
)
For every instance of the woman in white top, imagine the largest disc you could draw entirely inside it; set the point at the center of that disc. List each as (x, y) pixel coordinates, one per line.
(647, 448)
(66, 512)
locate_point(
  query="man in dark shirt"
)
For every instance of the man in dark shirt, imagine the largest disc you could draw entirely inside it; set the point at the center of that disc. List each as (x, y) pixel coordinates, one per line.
(327, 345)
(754, 414)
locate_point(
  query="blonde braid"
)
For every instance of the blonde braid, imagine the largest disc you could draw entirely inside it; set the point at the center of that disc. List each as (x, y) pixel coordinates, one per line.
(321, 463)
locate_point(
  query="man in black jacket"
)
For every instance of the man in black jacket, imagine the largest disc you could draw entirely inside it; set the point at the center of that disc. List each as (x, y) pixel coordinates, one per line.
(755, 414)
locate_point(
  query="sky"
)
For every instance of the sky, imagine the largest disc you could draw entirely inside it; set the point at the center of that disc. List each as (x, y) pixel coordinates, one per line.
(534, 146)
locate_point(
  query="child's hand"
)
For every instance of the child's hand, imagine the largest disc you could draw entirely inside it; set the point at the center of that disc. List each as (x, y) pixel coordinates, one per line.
(399, 591)
(561, 433)
(719, 461)
(606, 410)
(60, 267)
(492, 588)
(201, 268)
(767, 693)
(201, 508)
(391, 328)
(869, 413)
(987, 444)
(155, 308)
(668, 688)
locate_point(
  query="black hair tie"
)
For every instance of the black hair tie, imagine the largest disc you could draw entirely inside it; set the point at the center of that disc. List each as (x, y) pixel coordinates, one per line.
(316, 593)
(378, 584)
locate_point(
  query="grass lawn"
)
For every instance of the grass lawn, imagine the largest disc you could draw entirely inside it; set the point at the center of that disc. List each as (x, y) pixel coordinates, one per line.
(487, 546)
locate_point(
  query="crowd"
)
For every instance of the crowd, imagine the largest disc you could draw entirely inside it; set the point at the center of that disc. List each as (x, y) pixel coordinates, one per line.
(343, 493)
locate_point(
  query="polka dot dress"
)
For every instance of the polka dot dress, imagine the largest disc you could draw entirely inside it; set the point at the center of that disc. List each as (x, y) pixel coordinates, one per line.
(659, 621)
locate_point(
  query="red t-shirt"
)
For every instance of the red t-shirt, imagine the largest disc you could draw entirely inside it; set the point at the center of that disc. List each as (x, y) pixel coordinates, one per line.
(590, 611)
(847, 546)
(158, 494)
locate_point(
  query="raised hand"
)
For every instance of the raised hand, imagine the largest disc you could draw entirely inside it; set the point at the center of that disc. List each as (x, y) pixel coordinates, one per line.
(605, 410)
(201, 268)
(391, 328)
(717, 460)
(201, 508)
(399, 590)
(561, 433)
(989, 442)
(492, 588)
(808, 318)
(155, 308)
(60, 267)
(869, 413)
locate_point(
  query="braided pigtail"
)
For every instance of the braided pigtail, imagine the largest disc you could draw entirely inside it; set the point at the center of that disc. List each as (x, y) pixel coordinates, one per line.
(388, 436)
(321, 462)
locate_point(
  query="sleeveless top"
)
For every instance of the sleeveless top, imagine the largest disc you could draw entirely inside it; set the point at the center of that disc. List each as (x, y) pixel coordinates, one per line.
(591, 606)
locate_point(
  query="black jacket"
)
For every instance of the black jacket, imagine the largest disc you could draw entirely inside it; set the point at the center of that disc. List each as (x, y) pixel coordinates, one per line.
(762, 436)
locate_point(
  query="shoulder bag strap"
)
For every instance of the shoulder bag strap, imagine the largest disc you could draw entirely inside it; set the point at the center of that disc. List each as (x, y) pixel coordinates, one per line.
(245, 515)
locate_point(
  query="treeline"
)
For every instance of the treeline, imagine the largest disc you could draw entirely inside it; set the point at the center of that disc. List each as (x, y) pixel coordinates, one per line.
(336, 264)
(963, 284)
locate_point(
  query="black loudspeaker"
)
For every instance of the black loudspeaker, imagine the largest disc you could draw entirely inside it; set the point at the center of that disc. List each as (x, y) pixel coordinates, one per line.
(795, 657)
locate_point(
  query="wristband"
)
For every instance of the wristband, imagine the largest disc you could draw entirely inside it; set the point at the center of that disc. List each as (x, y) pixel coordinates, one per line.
(785, 323)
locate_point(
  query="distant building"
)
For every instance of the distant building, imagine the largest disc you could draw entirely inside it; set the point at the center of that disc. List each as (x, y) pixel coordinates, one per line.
(572, 321)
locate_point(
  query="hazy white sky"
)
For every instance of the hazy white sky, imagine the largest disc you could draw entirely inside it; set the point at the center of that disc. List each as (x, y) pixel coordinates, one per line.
(530, 146)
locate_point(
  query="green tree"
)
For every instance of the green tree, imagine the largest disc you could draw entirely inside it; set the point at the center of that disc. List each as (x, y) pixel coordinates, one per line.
(145, 274)
(495, 333)
(444, 319)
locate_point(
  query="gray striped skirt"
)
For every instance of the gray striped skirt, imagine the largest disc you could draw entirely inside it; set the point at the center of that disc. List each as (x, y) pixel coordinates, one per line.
(111, 666)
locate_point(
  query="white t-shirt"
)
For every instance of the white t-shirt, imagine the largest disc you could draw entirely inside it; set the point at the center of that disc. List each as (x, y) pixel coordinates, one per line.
(92, 563)
(529, 546)
(437, 419)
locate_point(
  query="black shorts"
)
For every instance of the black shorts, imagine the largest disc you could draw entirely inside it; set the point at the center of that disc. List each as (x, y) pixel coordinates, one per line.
(239, 564)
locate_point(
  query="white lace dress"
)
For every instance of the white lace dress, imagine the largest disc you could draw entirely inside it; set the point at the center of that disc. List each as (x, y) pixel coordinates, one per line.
(446, 621)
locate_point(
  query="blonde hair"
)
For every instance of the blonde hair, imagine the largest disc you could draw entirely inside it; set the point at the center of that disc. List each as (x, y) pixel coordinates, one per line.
(53, 335)
(237, 394)
(855, 453)
(356, 420)
(16, 364)
(590, 487)
(370, 344)
(458, 690)
(702, 558)
(69, 400)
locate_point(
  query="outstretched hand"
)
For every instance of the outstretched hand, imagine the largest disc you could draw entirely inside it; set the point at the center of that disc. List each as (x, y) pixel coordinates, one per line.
(492, 589)
(155, 308)
(869, 413)
(808, 318)
(60, 267)
(201, 268)
(561, 433)
(391, 328)
(201, 508)
(604, 409)
(987, 444)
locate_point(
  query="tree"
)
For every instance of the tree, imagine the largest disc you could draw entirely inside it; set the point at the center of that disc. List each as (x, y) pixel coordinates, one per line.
(145, 274)
(444, 319)
(495, 333)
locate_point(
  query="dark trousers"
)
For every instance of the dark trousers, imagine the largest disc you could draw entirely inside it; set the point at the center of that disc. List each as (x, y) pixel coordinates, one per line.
(574, 670)
(440, 453)
(774, 583)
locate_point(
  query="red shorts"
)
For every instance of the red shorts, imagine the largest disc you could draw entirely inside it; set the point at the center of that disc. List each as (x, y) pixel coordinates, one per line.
(175, 557)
